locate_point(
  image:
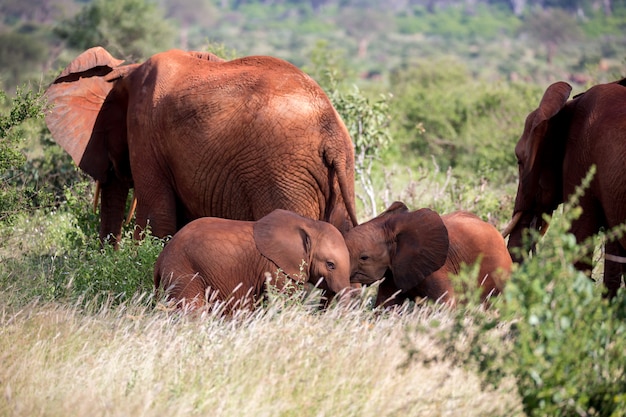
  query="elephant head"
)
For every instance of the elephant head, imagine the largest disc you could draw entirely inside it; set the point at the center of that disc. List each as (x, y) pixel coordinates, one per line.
(89, 120)
(540, 154)
(287, 239)
(400, 245)
(88, 124)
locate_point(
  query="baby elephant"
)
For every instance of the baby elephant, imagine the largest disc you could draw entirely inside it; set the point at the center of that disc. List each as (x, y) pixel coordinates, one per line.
(417, 253)
(228, 260)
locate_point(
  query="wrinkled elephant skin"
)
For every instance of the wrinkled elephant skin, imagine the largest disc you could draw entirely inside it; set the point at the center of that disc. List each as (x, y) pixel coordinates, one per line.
(561, 140)
(196, 136)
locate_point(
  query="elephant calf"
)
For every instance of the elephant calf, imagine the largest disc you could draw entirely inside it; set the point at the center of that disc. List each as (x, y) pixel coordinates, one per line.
(226, 261)
(418, 252)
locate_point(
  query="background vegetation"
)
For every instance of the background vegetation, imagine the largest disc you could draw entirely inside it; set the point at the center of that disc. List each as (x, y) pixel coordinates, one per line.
(435, 94)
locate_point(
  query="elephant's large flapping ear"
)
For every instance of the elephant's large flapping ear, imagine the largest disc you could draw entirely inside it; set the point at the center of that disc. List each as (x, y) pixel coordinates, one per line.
(395, 208)
(552, 102)
(76, 119)
(421, 246)
(282, 237)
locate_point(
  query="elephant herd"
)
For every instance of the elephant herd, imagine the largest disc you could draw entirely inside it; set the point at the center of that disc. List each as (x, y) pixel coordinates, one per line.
(250, 169)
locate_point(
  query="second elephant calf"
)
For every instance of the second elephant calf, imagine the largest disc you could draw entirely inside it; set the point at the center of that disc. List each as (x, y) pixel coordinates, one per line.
(419, 252)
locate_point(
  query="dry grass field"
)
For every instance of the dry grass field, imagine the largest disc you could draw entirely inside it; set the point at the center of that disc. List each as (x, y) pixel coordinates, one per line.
(100, 359)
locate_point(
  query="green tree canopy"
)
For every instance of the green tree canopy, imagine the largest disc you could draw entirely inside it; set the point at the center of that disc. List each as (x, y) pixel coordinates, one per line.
(132, 29)
(551, 27)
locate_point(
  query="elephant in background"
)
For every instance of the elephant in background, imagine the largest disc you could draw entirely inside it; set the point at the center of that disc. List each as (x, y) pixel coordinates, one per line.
(561, 140)
(419, 252)
(197, 136)
(213, 259)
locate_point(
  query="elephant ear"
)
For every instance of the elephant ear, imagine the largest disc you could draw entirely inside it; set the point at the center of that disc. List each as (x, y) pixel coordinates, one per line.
(553, 101)
(535, 141)
(206, 56)
(421, 246)
(283, 237)
(396, 207)
(83, 114)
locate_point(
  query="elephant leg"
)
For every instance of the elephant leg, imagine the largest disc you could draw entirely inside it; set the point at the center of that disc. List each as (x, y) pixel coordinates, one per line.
(113, 203)
(437, 287)
(388, 294)
(187, 291)
(614, 265)
(585, 226)
(156, 209)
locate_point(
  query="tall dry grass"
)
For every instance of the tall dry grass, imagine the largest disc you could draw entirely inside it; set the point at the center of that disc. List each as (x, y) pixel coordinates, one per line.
(100, 359)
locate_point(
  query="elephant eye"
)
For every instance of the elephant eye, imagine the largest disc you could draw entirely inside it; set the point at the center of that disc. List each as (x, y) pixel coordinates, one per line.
(330, 265)
(364, 257)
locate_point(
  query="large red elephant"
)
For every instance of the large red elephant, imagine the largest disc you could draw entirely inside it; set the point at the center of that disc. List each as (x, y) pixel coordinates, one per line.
(562, 139)
(198, 136)
(419, 253)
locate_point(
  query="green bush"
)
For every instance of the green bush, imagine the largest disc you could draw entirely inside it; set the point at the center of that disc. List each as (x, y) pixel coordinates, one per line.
(55, 254)
(456, 22)
(93, 271)
(552, 331)
(15, 197)
(126, 28)
(442, 112)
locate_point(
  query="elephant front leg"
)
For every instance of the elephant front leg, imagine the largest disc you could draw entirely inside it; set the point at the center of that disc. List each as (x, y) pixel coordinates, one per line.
(113, 203)
(388, 294)
(157, 211)
(614, 263)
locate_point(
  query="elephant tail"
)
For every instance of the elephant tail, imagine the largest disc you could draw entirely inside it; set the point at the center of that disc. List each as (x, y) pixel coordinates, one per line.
(342, 170)
(348, 198)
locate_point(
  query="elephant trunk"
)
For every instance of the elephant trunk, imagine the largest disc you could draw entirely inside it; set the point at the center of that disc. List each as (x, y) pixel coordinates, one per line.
(519, 242)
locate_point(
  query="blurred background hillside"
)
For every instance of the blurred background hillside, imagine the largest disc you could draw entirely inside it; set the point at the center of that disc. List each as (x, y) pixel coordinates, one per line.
(532, 40)
(455, 79)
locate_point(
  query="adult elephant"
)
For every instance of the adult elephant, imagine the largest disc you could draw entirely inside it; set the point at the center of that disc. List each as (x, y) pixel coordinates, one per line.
(198, 136)
(562, 139)
(213, 260)
(419, 252)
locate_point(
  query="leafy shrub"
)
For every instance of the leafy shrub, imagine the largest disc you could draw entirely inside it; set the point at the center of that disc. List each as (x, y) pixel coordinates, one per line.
(94, 271)
(555, 335)
(127, 28)
(442, 112)
(25, 106)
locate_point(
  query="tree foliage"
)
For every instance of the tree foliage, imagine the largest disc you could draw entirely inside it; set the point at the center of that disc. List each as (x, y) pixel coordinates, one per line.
(18, 53)
(367, 119)
(26, 105)
(442, 112)
(133, 29)
(551, 27)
